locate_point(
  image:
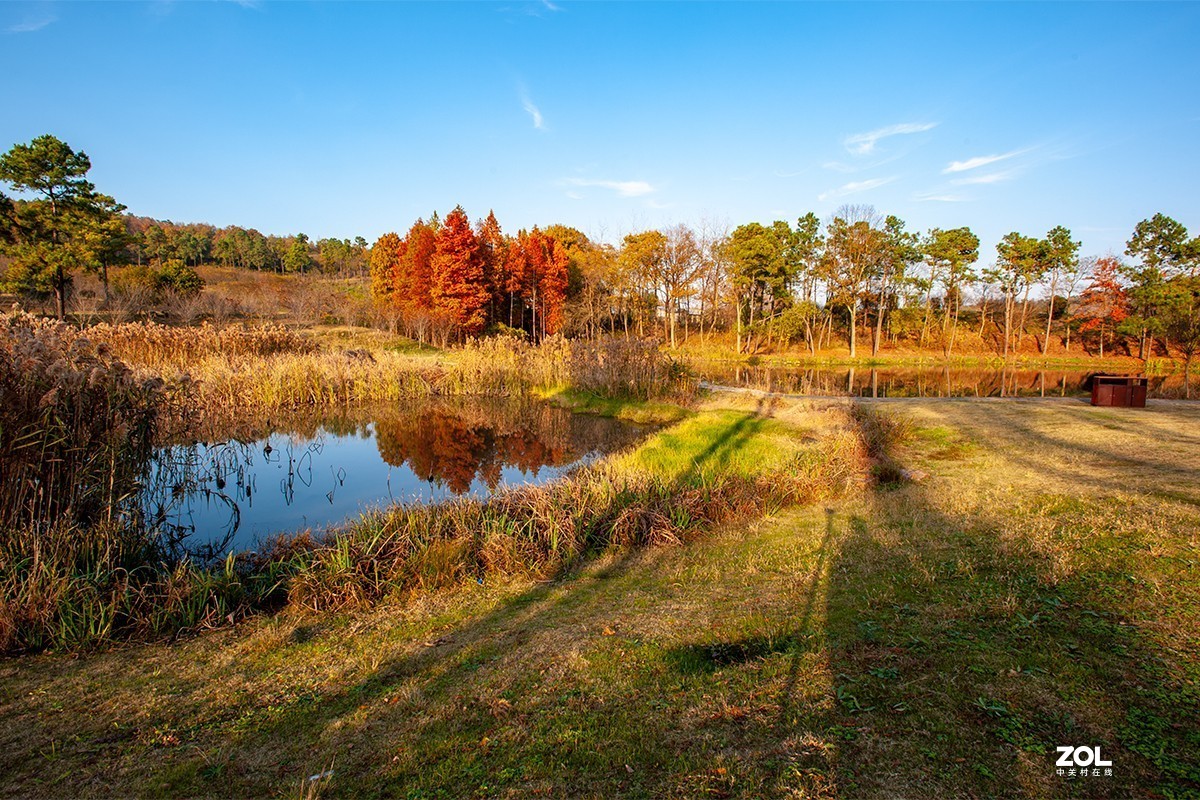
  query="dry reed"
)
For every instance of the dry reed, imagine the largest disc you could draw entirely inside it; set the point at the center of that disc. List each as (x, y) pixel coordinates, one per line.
(76, 425)
(271, 369)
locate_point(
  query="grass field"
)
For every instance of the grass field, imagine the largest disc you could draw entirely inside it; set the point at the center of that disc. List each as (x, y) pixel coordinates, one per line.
(1038, 584)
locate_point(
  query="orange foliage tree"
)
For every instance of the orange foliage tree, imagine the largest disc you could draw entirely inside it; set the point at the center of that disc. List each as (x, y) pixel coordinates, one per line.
(1103, 304)
(493, 249)
(412, 279)
(545, 281)
(457, 287)
(460, 278)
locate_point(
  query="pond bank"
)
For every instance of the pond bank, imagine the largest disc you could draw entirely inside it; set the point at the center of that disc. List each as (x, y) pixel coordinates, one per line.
(653, 495)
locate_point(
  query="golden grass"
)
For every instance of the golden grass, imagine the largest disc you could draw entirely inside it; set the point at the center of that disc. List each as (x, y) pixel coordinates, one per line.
(269, 368)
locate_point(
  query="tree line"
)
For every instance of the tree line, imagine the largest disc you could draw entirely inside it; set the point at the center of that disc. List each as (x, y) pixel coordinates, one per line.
(196, 244)
(65, 225)
(815, 284)
(811, 283)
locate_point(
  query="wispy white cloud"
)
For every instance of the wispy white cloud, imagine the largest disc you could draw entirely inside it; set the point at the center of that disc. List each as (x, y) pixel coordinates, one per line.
(854, 187)
(936, 197)
(575, 195)
(31, 25)
(838, 166)
(533, 111)
(981, 161)
(864, 143)
(991, 177)
(623, 188)
(538, 8)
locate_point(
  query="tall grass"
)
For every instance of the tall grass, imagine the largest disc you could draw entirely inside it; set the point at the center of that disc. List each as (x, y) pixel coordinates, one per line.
(613, 367)
(77, 428)
(272, 368)
(73, 586)
(76, 425)
(164, 348)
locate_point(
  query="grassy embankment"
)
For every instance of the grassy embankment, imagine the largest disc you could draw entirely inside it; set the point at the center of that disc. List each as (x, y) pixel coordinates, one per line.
(937, 638)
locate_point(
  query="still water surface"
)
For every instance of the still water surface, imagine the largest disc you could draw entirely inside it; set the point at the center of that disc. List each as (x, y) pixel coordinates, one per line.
(250, 482)
(923, 382)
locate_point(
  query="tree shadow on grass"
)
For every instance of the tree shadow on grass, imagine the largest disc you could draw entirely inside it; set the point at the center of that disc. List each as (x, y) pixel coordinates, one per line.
(963, 659)
(798, 635)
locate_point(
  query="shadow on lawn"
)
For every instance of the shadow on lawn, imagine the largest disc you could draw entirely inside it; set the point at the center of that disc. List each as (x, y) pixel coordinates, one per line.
(957, 664)
(917, 653)
(961, 662)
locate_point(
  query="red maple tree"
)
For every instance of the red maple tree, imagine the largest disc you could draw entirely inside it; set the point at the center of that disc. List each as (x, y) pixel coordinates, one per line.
(1103, 304)
(545, 281)
(457, 286)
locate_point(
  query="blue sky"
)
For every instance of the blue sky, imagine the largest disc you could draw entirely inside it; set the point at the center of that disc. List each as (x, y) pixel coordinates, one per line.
(354, 119)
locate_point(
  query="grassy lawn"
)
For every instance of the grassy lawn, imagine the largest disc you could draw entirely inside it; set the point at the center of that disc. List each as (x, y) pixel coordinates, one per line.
(939, 638)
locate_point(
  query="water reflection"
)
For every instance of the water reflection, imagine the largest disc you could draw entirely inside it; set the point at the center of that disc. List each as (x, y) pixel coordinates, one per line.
(247, 482)
(942, 381)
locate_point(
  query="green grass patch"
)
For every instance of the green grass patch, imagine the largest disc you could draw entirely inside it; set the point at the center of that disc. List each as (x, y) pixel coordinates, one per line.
(717, 443)
(641, 412)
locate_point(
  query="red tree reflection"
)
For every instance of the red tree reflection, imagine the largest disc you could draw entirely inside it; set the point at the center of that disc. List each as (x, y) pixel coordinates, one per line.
(452, 449)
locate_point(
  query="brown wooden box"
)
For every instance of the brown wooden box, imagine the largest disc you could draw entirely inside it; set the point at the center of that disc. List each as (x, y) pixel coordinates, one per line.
(1119, 390)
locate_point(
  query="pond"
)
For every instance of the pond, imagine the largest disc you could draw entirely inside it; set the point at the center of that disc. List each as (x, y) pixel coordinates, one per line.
(251, 481)
(941, 381)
